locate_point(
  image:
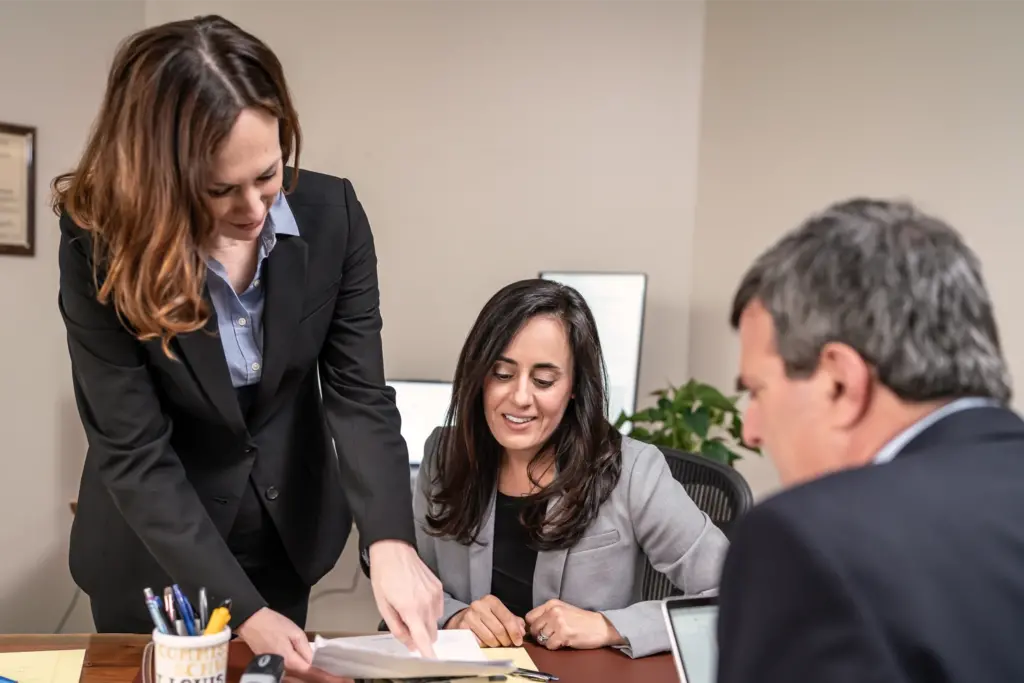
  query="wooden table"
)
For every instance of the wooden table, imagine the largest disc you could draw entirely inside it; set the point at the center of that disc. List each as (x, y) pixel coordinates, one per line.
(116, 658)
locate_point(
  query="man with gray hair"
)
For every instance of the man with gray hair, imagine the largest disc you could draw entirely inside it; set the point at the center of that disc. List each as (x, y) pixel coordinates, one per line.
(878, 388)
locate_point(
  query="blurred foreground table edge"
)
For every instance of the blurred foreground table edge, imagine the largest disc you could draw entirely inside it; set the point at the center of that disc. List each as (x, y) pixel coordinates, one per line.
(115, 658)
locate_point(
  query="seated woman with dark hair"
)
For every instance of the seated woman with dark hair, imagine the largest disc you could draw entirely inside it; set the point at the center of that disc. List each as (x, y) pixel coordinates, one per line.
(532, 509)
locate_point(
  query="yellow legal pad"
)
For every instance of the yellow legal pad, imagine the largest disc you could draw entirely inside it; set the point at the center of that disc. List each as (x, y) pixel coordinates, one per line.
(519, 656)
(45, 666)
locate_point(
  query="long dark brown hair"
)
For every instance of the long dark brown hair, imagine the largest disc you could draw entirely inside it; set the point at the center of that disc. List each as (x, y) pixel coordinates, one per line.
(173, 94)
(587, 449)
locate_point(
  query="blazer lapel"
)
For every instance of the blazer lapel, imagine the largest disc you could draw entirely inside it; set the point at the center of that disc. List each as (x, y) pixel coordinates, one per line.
(285, 281)
(547, 575)
(481, 556)
(205, 355)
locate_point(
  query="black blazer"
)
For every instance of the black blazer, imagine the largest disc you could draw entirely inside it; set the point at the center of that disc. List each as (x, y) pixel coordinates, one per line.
(908, 571)
(170, 453)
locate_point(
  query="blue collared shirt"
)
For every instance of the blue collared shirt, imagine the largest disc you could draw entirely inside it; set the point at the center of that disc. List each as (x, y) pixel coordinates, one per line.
(240, 316)
(893, 448)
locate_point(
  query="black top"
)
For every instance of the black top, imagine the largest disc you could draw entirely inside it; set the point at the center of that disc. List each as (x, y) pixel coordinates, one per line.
(513, 559)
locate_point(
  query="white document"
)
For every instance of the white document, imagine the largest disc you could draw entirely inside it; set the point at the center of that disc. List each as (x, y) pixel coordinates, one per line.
(384, 656)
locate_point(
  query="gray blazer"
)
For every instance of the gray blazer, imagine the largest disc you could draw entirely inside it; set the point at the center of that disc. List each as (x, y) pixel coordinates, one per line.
(648, 512)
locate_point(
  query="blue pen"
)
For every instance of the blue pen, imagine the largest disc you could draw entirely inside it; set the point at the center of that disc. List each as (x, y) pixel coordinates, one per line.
(155, 613)
(5, 679)
(185, 609)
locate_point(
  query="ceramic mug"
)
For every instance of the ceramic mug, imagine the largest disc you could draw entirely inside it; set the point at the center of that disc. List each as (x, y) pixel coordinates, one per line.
(186, 659)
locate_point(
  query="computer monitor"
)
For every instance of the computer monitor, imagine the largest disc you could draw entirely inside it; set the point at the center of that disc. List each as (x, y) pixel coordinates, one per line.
(692, 624)
(617, 301)
(423, 405)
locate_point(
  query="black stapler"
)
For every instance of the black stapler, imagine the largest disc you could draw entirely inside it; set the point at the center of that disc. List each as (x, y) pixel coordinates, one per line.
(264, 669)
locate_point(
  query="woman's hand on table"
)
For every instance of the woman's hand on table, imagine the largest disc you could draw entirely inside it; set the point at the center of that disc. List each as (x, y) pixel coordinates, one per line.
(491, 622)
(557, 624)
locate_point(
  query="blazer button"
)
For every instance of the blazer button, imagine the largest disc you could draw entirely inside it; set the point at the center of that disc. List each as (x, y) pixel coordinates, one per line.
(249, 450)
(272, 493)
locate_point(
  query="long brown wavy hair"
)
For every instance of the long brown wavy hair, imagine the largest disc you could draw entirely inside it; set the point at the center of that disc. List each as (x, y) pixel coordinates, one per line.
(173, 94)
(587, 448)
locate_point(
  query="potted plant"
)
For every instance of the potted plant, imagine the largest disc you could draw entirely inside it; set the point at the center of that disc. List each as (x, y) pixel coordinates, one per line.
(694, 417)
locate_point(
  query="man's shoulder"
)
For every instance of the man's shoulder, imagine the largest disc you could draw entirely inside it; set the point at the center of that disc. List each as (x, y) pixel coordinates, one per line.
(888, 509)
(855, 497)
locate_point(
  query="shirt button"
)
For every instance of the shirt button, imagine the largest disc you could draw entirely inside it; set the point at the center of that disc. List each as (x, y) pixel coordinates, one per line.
(241, 321)
(272, 493)
(256, 282)
(255, 366)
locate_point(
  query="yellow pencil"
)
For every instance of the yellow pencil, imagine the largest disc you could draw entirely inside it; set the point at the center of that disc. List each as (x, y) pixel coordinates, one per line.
(218, 620)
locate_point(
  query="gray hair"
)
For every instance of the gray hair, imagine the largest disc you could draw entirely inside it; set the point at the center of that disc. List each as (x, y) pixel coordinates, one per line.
(898, 286)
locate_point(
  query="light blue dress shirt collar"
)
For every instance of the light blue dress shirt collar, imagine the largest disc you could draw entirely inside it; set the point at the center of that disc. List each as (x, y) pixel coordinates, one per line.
(897, 444)
(281, 220)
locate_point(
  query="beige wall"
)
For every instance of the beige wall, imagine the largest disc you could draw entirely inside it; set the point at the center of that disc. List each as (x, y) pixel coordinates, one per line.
(490, 140)
(805, 103)
(54, 58)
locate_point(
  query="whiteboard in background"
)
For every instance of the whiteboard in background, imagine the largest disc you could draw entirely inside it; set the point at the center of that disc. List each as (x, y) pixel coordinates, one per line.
(617, 301)
(422, 405)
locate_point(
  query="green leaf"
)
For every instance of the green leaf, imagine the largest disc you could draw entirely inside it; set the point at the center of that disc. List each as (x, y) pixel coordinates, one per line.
(736, 428)
(621, 419)
(713, 398)
(646, 415)
(716, 450)
(717, 416)
(682, 401)
(698, 421)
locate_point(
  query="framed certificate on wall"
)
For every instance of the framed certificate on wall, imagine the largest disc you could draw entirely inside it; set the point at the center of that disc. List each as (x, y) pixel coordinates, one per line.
(17, 190)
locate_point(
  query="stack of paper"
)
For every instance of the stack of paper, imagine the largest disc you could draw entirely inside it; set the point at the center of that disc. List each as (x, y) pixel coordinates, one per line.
(384, 656)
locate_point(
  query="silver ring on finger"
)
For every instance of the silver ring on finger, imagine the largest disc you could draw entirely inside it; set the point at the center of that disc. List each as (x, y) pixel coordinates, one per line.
(542, 638)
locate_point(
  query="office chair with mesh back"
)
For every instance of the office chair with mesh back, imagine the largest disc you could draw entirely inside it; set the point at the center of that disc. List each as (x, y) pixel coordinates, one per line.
(717, 489)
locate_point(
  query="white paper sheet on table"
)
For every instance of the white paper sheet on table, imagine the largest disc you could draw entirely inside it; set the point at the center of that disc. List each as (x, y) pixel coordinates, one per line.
(384, 656)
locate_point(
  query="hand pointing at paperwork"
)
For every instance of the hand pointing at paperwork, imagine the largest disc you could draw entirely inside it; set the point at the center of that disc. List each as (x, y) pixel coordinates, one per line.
(408, 595)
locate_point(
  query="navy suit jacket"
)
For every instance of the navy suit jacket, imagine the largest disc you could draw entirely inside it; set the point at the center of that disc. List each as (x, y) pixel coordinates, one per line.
(912, 571)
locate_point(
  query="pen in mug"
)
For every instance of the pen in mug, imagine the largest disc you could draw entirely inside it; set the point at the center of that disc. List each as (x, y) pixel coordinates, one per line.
(204, 610)
(169, 604)
(219, 618)
(155, 612)
(184, 610)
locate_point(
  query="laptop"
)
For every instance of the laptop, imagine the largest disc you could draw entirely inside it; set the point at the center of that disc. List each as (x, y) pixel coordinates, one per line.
(692, 624)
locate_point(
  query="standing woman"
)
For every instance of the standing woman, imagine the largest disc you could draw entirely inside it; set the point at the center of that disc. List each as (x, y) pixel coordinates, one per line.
(203, 285)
